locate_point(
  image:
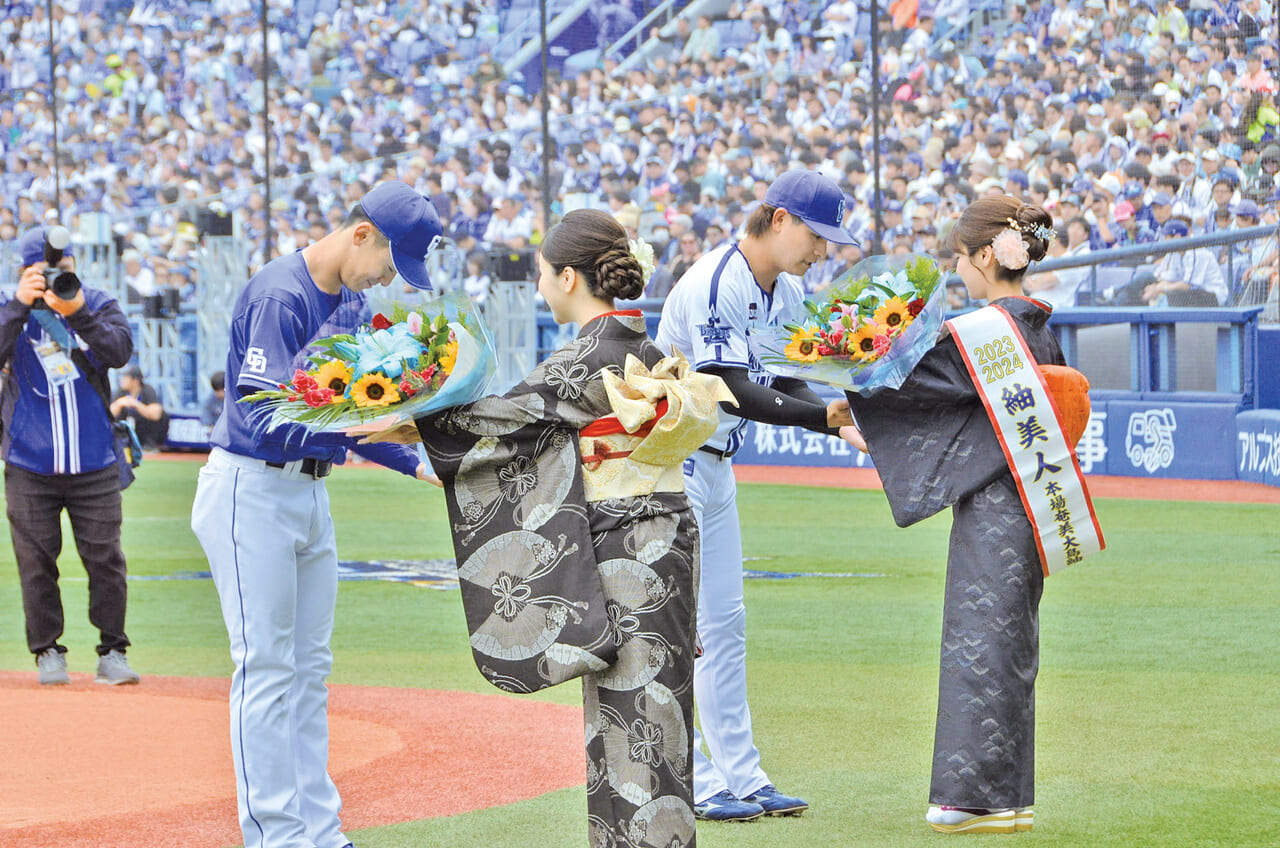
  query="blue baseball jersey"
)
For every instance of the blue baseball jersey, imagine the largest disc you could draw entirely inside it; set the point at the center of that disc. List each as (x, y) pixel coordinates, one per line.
(707, 317)
(60, 426)
(277, 315)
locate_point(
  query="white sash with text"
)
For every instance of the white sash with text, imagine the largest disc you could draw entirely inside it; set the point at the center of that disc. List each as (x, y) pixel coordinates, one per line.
(1029, 426)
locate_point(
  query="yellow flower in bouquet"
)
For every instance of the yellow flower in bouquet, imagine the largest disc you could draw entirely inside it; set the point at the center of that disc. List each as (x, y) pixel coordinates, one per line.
(803, 346)
(335, 375)
(374, 389)
(869, 341)
(449, 356)
(893, 314)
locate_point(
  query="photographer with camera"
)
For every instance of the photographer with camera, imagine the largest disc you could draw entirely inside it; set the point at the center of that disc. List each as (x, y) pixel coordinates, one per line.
(58, 339)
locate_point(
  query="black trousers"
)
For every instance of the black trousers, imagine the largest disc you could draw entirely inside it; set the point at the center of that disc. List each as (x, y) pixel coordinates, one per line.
(92, 501)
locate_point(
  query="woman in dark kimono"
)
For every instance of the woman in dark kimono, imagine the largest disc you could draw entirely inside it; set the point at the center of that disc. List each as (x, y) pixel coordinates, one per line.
(934, 446)
(577, 548)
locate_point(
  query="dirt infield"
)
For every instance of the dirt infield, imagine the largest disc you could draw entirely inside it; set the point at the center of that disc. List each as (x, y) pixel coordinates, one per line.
(1100, 486)
(397, 755)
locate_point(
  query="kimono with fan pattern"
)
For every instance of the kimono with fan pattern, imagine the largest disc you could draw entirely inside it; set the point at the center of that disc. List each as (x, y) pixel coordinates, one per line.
(522, 505)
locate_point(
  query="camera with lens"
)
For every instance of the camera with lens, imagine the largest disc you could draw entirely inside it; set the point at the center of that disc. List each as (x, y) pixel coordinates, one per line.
(64, 284)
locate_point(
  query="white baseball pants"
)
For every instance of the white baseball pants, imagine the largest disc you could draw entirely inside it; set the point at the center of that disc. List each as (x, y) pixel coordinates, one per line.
(268, 536)
(720, 674)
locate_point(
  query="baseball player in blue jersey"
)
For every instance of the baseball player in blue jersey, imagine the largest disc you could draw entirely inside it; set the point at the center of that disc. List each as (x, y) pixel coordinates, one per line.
(59, 454)
(261, 513)
(706, 317)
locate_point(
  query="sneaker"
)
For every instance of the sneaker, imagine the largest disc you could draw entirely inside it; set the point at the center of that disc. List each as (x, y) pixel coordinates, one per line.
(775, 803)
(724, 806)
(967, 820)
(1023, 818)
(113, 669)
(52, 665)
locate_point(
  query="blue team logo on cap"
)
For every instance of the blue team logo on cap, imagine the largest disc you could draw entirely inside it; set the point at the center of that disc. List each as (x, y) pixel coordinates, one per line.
(840, 212)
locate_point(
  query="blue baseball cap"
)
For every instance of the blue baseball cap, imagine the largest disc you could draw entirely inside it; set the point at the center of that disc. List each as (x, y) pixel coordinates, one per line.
(410, 222)
(1247, 209)
(1175, 228)
(1161, 199)
(1132, 189)
(814, 199)
(1017, 175)
(31, 245)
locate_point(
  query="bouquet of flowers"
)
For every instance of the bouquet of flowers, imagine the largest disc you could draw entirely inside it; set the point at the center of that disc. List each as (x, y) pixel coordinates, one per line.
(399, 363)
(872, 327)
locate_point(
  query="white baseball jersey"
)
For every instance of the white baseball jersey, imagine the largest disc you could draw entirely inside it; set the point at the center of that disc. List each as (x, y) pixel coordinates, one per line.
(707, 317)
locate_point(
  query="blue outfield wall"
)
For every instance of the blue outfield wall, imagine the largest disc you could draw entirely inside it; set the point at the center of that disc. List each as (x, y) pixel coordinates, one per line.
(1258, 446)
(1125, 437)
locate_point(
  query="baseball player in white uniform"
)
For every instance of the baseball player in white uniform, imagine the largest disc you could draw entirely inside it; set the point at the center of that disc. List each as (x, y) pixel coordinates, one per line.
(707, 317)
(261, 513)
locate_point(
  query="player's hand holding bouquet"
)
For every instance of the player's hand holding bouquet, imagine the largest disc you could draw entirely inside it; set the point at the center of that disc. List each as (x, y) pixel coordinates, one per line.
(869, 330)
(395, 363)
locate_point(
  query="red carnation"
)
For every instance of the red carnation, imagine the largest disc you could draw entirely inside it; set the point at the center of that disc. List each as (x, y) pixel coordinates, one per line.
(303, 382)
(915, 307)
(826, 350)
(427, 373)
(318, 397)
(880, 344)
(380, 322)
(406, 388)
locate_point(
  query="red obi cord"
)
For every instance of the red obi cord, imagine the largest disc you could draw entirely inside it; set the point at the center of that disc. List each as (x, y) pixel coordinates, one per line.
(610, 425)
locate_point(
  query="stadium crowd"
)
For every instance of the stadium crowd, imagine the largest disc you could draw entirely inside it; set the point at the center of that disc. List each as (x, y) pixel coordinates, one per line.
(1131, 121)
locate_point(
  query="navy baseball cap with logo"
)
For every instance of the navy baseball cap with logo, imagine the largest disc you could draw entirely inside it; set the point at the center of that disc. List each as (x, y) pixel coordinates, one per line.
(814, 199)
(410, 222)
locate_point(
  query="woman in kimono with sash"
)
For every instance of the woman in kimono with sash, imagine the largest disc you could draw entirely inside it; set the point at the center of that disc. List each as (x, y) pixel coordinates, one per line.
(934, 446)
(577, 549)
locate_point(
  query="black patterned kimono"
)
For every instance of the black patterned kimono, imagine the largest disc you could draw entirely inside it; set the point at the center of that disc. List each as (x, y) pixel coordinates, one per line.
(531, 498)
(934, 446)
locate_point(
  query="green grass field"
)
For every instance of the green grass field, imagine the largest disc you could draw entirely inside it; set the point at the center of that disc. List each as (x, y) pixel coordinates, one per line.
(1159, 689)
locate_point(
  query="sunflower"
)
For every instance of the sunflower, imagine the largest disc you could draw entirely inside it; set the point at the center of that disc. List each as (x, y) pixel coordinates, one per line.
(449, 356)
(803, 346)
(861, 343)
(374, 389)
(334, 374)
(893, 314)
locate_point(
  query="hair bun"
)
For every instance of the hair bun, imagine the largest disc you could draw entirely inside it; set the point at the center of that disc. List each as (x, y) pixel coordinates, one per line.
(618, 272)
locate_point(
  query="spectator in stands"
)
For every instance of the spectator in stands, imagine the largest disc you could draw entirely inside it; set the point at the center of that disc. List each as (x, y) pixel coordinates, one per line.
(211, 411)
(510, 225)
(690, 251)
(139, 403)
(703, 44)
(1186, 278)
(138, 275)
(477, 281)
(1058, 288)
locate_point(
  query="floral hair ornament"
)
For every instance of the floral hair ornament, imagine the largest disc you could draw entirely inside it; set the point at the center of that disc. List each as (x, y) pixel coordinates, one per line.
(643, 252)
(1010, 250)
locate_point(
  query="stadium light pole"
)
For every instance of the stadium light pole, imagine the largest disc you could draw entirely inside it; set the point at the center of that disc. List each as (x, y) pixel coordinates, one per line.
(266, 136)
(53, 107)
(877, 219)
(546, 125)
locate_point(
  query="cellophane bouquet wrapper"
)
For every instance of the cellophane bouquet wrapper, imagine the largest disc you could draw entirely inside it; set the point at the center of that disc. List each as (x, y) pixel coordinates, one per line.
(378, 360)
(864, 333)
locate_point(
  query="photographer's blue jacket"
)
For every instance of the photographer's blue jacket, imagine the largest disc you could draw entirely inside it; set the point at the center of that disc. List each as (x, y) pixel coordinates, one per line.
(59, 429)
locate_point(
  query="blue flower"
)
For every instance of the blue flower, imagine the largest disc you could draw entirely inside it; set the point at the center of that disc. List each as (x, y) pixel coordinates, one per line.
(384, 351)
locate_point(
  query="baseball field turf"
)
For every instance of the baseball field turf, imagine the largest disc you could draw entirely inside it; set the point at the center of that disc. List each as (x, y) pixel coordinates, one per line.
(1158, 696)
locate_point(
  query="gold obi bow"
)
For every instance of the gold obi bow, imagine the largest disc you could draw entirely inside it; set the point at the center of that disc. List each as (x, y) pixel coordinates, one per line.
(692, 406)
